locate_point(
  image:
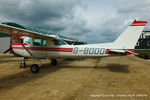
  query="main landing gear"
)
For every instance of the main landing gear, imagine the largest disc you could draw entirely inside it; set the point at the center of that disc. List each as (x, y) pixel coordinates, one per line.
(35, 68)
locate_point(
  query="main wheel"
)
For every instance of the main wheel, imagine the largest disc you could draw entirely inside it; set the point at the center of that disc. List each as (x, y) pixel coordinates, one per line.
(53, 61)
(35, 68)
(22, 64)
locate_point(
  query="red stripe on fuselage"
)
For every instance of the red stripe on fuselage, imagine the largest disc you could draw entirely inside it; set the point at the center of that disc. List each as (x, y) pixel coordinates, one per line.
(19, 44)
(47, 49)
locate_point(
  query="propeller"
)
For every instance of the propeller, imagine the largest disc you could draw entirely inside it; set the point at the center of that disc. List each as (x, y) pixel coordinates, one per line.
(7, 50)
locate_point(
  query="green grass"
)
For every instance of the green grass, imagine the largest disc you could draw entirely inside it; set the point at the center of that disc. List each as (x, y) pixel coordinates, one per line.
(142, 51)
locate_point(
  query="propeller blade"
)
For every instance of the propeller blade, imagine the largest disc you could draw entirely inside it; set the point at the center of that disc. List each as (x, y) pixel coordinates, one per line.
(7, 50)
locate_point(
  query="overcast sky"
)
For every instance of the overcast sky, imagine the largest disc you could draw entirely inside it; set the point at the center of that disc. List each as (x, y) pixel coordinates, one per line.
(94, 21)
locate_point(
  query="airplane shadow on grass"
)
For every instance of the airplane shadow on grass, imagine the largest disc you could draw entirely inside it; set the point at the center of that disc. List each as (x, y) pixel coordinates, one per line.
(21, 78)
(118, 68)
(112, 67)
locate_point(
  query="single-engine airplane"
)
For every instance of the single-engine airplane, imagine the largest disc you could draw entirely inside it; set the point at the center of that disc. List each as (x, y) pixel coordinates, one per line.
(52, 47)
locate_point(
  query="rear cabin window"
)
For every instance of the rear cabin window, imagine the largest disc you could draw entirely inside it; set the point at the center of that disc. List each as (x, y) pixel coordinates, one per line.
(39, 42)
(44, 43)
(59, 42)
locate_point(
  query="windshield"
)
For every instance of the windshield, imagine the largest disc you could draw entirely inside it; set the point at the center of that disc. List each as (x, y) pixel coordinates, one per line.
(13, 41)
(29, 40)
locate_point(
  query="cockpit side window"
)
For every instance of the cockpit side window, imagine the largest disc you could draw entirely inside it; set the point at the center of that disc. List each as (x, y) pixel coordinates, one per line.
(29, 41)
(39, 42)
(13, 41)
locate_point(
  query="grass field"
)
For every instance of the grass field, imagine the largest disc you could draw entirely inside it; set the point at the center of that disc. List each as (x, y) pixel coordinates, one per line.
(142, 51)
(111, 78)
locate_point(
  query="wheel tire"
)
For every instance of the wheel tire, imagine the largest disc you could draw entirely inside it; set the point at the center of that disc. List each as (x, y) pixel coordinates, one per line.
(35, 68)
(53, 62)
(22, 65)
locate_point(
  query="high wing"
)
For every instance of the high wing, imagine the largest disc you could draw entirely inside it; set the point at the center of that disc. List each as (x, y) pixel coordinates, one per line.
(10, 30)
(30, 31)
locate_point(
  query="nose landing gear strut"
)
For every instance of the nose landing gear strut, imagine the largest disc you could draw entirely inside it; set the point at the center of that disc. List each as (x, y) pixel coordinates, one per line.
(23, 63)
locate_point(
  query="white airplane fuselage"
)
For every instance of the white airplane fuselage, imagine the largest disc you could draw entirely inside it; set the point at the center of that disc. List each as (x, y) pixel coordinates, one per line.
(64, 51)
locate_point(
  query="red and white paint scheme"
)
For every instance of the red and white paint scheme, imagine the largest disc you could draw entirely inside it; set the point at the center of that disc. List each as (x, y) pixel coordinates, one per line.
(50, 46)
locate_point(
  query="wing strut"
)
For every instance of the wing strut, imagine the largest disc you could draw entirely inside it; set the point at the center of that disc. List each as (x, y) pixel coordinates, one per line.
(26, 49)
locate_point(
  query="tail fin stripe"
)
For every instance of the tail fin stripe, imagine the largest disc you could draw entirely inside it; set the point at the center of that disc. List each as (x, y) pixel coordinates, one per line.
(138, 23)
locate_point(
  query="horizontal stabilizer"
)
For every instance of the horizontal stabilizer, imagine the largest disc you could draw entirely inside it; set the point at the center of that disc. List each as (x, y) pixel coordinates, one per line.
(121, 52)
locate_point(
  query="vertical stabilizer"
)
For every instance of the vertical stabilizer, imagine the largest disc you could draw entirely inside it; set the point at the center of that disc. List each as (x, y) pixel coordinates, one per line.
(129, 38)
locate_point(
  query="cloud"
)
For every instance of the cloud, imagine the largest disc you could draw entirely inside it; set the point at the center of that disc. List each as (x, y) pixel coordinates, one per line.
(116, 16)
(126, 6)
(36, 10)
(92, 21)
